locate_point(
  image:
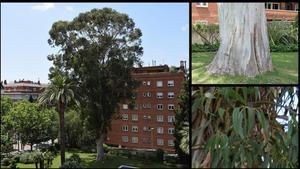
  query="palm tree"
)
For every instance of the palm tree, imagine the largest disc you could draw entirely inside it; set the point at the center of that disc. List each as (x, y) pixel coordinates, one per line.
(60, 93)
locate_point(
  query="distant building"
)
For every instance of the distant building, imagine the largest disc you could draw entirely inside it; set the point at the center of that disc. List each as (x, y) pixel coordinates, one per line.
(150, 124)
(23, 89)
(207, 13)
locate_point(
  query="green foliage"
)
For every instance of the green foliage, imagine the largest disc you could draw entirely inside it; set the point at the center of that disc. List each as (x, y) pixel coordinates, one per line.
(205, 47)
(5, 161)
(182, 124)
(33, 123)
(72, 162)
(282, 33)
(247, 133)
(160, 154)
(29, 157)
(6, 104)
(209, 33)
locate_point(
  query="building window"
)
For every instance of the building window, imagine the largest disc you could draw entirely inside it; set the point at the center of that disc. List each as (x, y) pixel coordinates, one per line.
(170, 106)
(160, 118)
(170, 95)
(159, 83)
(171, 143)
(134, 139)
(125, 128)
(171, 119)
(124, 116)
(144, 83)
(160, 107)
(134, 128)
(125, 139)
(125, 106)
(147, 106)
(147, 128)
(148, 94)
(171, 130)
(148, 83)
(170, 83)
(202, 4)
(134, 117)
(147, 117)
(159, 95)
(160, 142)
(160, 130)
(275, 6)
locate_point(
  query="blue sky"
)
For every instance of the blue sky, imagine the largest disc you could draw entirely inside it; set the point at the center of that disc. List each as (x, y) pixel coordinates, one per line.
(25, 27)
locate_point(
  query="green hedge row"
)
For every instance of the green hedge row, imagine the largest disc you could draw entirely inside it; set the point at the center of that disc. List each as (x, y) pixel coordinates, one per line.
(274, 48)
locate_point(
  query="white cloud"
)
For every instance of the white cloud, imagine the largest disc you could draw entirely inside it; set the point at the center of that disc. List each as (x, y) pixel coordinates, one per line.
(69, 8)
(43, 6)
(185, 28)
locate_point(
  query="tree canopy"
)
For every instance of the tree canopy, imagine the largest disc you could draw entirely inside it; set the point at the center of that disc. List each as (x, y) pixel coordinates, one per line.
(98, 50)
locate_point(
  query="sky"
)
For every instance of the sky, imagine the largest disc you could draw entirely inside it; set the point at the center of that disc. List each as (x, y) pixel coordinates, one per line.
(25, 27)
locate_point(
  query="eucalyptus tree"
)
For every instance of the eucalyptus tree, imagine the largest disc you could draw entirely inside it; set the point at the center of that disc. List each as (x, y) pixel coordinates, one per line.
(244, 44)
(98, 50)
(245, 127)
(60, 93)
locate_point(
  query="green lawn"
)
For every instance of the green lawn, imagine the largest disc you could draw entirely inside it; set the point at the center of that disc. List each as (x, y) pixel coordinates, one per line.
(285, 71)
(110, 161)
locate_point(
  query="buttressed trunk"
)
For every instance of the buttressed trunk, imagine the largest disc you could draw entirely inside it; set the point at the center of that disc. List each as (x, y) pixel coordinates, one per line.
(244, 48)
(99, 142)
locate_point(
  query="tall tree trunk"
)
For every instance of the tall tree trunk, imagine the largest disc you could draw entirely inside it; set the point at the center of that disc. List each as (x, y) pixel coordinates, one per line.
(244, 48)
(99, 143)
(62, 132)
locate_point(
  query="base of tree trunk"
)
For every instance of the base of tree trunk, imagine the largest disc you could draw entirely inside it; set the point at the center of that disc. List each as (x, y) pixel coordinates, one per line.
(244, 48)
(100, 149)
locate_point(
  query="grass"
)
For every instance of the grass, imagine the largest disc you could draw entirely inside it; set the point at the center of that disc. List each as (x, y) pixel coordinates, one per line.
(110, 161)
(285, 71)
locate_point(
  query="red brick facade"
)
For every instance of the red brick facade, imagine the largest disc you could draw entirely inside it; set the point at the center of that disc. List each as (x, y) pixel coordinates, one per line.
(150, 123)
(208, 12)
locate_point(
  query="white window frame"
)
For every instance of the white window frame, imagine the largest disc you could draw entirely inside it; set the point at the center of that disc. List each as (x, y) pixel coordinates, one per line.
(125, 106)
(125, 128)
(171, 107)
(124, 116)
(159, 83)
(160, 142)
(148, 94)
(148, 83)
(160, 106)
(159, 95)
(171, 83)
(160, 130)
(160, 118)
(134, 129)
(134, 117)
(171, 119)
(134, 140)
(171, 131)
(171, 95)
(125, 139)
(144, 83)
(171, 143)
(205, 22)
(202, 4)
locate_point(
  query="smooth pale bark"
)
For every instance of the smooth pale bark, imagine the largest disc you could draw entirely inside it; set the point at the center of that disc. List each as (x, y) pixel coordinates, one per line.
(244, 47)
(100, 149)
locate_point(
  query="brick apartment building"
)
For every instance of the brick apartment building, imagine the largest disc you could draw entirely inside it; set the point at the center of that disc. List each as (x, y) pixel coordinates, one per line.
(208, 12)
(22, 89)
(150, 124)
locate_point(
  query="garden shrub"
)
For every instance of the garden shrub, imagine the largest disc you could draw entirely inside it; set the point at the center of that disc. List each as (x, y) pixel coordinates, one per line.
(72, 162)
(5, 161)
(29, 157)
(160, 154)
(16, 158)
